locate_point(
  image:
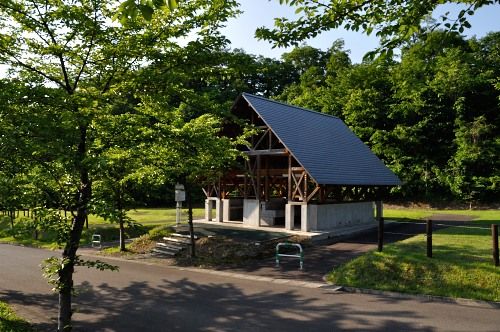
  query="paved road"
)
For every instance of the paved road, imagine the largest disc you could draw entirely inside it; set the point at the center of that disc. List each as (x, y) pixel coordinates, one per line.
(155, 298)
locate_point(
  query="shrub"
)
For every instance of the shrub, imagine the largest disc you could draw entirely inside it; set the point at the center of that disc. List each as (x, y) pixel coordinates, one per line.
(143, 244)
(160, 231)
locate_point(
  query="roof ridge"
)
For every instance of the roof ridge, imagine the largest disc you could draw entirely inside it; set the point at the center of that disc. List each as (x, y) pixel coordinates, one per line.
(289, 105)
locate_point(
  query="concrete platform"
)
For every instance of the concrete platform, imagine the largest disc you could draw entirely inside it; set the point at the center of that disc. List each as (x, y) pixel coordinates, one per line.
(314, 236)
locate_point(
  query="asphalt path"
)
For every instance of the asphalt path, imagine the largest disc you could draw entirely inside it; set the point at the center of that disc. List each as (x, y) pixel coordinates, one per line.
(142, 297)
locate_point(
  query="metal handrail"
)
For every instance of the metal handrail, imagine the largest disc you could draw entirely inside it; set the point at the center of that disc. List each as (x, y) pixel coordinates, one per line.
(300, 255)
(96, 240)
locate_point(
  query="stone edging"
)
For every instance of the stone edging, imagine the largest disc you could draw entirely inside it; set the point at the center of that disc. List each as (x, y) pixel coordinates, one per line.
(424, 297)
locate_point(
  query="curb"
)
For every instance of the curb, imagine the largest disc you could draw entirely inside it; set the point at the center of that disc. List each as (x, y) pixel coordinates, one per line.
(290, 282)
(314, 285)
(424, 297)
(322, 285)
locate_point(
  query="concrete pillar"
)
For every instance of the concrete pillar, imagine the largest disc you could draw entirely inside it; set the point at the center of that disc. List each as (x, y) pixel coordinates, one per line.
(304, 218)
(218, 210)
(208, 210)
(226, 208)
(289, 216)
(251, 212)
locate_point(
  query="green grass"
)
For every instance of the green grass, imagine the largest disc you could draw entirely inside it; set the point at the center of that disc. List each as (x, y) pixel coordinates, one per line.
(152, 216)
(479, 216)
(147, 218)
(10, 322)
(462, 266)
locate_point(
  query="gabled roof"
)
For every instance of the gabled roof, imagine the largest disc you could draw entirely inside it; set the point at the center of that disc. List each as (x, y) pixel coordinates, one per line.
(327, 149)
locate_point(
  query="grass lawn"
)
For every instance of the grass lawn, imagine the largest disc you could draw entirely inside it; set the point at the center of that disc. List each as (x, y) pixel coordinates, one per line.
(462, 266)
(10, 322)
(158, 216)
(148, 218)
(480, 216)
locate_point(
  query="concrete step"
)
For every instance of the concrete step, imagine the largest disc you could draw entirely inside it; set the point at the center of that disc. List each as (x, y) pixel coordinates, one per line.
(183, 236)
(180, 241)
(168, 246)
(164, 252)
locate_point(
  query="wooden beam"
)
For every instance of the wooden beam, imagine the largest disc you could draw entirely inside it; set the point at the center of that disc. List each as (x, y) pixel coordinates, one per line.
(254, 147)
(271, 152)
(311, 195)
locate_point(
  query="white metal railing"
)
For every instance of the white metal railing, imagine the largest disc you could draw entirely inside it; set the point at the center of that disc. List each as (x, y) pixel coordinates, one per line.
(299, 255)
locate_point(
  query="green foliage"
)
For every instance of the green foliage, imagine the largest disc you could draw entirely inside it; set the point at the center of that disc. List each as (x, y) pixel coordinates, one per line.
(394, 22)
(432, 116)
(159, 232)
(75, 112)
(52, 267)
(10, 322)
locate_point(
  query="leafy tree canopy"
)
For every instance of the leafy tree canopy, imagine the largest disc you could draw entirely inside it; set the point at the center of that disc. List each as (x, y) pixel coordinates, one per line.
(393, 21)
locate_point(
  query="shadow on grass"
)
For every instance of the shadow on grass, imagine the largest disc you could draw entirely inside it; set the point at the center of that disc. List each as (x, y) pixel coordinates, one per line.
(183, 305)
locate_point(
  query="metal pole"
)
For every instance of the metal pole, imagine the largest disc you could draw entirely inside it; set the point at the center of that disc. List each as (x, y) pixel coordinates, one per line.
(494, 234)
(380, 233)
(178, 213)
(429, 238)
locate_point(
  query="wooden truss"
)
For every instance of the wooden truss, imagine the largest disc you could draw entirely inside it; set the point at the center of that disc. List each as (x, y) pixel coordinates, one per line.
(270, 170)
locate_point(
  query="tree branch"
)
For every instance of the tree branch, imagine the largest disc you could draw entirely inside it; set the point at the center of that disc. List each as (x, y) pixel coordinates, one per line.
(85, 61)
(33, 69)
(59, 54)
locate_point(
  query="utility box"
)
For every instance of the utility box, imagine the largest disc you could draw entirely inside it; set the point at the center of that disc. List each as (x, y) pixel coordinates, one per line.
(180, 194)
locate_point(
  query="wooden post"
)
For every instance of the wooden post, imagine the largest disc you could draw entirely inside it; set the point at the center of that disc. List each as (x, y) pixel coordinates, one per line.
(289, 178)
(266, 180)
(245, 187)
(257, 172)
(494, 234)
(429, 238)
(380, 234)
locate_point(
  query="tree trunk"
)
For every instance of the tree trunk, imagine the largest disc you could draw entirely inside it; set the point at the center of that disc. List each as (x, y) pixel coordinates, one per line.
(190, 219)
(120, 219)
(69, 253)
(122, 235)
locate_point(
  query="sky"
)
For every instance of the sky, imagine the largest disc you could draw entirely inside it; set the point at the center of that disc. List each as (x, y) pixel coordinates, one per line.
(257, 13)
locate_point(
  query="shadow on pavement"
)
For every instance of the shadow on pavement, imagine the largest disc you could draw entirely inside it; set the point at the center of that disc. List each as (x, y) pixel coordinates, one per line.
(186, 306)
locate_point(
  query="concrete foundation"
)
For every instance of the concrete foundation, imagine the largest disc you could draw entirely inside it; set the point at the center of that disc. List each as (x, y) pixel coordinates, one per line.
(273, 212)
(313, 218)
(232, 209)
(330, 217)
(336, 216)
(251, 212)
(211, 204)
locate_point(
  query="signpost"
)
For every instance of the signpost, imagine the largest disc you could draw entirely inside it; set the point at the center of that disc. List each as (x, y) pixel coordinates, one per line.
(180, 196)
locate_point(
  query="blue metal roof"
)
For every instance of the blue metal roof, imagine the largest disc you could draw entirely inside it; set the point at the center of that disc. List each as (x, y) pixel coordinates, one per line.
(323, 144)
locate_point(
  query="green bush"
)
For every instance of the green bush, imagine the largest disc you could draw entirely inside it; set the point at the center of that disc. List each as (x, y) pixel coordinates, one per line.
(5, 227)
(160, 231)
(24, 228)
(10, 322)
(143, 244)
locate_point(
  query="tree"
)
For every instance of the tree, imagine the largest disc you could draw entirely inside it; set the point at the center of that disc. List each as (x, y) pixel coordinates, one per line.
(431, 116)
(394, 22)
(129, 9)
(314, 69)
(74, 51)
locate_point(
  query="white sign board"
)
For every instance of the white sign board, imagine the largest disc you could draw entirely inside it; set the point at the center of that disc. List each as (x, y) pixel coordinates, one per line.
(180, 194)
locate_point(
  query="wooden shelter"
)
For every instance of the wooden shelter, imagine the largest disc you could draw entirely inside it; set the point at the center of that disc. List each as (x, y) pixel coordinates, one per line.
(305, 170)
